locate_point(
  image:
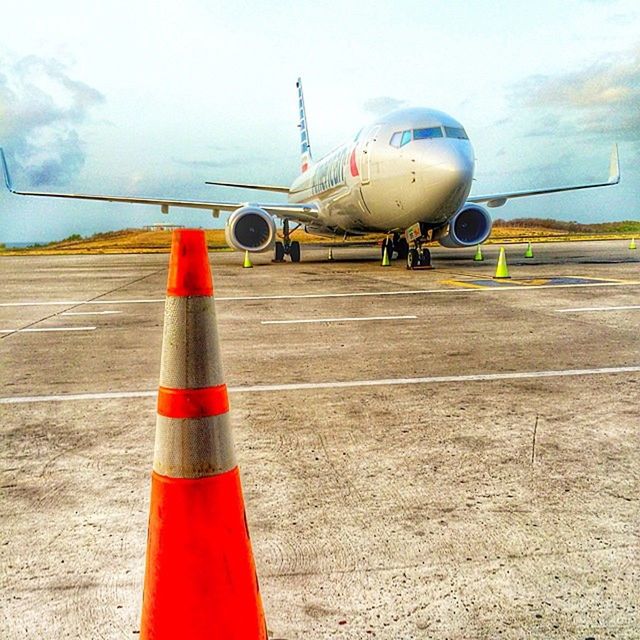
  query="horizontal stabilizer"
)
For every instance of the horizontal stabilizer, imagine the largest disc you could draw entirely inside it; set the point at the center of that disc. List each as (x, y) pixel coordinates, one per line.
(261, 187)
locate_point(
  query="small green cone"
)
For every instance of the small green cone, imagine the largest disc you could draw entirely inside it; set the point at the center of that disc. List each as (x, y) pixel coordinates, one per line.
(502, 271)
(632, 244)
(247, 264)
(478, 257)
(330, 257)
(529, 252)
(385, 258)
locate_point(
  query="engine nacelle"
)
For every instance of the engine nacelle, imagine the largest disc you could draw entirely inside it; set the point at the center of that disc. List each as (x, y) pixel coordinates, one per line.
(470, 226)
(250, 229)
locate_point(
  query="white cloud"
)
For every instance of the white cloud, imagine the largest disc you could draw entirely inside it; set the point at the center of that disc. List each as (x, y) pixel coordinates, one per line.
(41, 109)
(382, 104)
(601, 98)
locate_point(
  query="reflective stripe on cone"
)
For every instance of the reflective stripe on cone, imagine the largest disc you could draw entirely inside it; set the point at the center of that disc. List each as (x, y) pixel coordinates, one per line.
(190, 344)
(193, 447)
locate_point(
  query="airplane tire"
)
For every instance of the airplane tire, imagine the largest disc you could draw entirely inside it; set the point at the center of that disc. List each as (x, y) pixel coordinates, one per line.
(425, 258)
(413, 258)
(279, 252)
(294, 251)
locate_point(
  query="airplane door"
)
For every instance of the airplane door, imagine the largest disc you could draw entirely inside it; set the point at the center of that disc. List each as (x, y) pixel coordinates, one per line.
(366, 156)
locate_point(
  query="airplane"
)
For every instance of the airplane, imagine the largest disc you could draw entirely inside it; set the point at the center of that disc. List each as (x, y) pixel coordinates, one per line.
(407, 176)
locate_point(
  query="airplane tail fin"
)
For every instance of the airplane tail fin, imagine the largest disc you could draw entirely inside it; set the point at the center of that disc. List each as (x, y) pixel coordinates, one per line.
(305, 149)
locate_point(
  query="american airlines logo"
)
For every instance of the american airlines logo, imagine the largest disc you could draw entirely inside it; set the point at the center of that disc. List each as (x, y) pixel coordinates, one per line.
(330, 171)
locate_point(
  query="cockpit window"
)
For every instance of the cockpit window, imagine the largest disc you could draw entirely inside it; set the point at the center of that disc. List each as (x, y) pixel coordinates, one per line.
(395, 139)
(400, 138)
(456, 132)
(430, 132)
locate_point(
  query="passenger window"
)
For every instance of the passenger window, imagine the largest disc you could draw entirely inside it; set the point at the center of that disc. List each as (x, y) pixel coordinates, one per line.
(406, 137)
(429, 132)
(456, 132)
(395, 139)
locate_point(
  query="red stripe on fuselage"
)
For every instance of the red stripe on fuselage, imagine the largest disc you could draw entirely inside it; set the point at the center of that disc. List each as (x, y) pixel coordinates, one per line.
(353, 165)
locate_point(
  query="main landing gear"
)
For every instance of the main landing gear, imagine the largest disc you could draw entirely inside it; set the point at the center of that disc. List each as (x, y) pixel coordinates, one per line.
(287, 247)
(398, 244)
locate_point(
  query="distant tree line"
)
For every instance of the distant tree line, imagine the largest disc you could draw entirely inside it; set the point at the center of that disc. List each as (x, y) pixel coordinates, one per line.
(570, 227)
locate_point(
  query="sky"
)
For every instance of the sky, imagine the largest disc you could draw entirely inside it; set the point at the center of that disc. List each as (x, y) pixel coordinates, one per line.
(153, 98)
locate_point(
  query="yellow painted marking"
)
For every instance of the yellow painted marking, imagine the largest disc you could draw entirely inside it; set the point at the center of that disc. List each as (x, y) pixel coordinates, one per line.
(464, 284)
(535, 282)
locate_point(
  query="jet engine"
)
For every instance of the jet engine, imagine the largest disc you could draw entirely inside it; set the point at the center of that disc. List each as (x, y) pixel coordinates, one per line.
(250, 228)
(470, 226)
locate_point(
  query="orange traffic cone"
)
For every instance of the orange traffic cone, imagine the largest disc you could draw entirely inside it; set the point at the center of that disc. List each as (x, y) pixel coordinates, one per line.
(200, 579)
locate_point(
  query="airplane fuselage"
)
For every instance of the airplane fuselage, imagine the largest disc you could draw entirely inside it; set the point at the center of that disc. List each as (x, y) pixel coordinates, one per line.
(412, 165)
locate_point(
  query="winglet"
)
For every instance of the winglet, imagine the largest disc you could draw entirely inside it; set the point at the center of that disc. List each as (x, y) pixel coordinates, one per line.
(614, 166)
(5, 170)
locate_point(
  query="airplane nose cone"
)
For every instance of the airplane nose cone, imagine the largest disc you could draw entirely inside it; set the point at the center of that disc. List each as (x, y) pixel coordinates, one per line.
(447, 172)
(455, 161)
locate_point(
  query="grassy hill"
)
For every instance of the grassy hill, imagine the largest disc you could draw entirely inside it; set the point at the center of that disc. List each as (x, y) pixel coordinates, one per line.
(504, 231)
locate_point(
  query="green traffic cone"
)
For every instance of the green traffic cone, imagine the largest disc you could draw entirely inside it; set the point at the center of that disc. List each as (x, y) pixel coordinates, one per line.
(478, 257)
(502, 271)
(632, 244)
(247, 264)
(529, 252)
(385, 258)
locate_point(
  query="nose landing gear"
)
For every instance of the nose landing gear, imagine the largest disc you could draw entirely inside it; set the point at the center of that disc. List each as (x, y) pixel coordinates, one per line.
(418, 257)
(287, 247)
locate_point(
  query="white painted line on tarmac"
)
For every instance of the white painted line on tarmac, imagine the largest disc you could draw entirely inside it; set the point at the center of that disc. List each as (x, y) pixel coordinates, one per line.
(42, 303)
(321, 320)
(112, 395)
(70, 303)
(305, 386)
(89, 313)
(137, 301)
(414, 292)
(580, 309)
(483, 377)
(47, 329)
(353, 294)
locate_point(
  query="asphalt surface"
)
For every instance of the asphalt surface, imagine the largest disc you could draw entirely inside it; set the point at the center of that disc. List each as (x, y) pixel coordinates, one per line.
(465, 465)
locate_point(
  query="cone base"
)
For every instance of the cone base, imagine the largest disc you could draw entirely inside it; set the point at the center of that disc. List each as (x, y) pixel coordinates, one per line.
(200, 579)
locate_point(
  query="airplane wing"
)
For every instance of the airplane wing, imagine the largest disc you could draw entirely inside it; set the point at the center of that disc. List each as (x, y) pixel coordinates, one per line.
(498, 199)
(260, 187)
(295, 212)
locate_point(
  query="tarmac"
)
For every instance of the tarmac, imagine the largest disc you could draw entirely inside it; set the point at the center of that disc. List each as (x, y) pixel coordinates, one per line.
(429, 454)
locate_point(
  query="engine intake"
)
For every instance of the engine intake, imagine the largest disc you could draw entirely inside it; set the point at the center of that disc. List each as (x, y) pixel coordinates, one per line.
(470, 226)
(250, 229)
